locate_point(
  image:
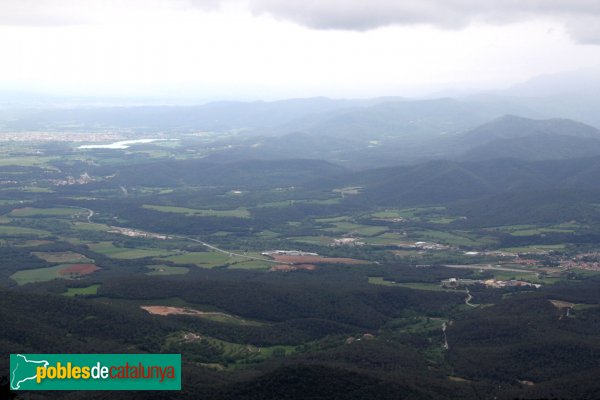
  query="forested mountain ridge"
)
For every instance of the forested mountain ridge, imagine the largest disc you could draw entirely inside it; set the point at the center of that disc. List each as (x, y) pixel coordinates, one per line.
(529, 139)
(443, 181)
(513, 127)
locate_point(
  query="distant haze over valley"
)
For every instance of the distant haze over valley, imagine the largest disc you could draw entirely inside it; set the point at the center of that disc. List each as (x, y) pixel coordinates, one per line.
(548, 117)
(386, 199)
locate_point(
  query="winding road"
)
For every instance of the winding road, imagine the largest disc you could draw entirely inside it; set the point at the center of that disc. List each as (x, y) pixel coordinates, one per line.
(469, 298)
(486, 267)
(91, 214)
(230, 253)
(444, 326)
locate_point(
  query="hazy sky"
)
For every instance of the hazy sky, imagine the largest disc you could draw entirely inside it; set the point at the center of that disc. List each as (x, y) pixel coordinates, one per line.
(288, 48)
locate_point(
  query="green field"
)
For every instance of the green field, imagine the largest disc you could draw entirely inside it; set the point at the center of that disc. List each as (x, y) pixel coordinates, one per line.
(540, 231)
(386, 239)
(84, 226)
(512, 228)
(203, 259)
(581, 306)
(332, 219)
(532, 230)
(244, 353)
(132, 254)
(46, 212)
(35, 189)
(319, 240)
(126, 253)
(455, 238)
(378, 280)
(411, 285)
(8, 230)
(362, 230)
(62, 257)
(524, 276)
(26, 161)
(211, 259)
(30, 243)
(233, 355)
(442, 220)
(166, 270)
(388, 214)
(4, 202)
(251, 264)
(538, 248)
(411, 213)
(38, 275)
(335, 200)
(282, 203)
(89, 290)
(267, 234)
(236, 213)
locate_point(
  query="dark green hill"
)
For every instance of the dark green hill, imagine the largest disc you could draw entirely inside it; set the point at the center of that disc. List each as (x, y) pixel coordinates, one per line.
(448, 181)
(529, 207)
(257, 173)
(332, 382)
(33, 323)
(528, 338)
(513, 127)
(529, 139)
(536, 147)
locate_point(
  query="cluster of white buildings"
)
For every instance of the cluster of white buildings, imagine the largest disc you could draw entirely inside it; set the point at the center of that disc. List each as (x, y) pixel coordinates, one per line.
(135, 233)
(349, 241)
(427, 246)
(491, 283)
(287, 253)
(70, 180)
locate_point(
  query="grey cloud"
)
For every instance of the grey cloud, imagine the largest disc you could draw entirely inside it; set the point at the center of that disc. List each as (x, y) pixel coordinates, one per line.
(361, 15)
(585, 28)
(581, 17)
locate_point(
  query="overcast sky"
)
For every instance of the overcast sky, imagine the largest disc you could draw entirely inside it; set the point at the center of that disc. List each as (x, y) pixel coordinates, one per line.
(287, 48)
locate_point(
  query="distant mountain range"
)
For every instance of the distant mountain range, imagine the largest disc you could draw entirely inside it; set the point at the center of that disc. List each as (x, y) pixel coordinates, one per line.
(523, 138)
(521, 122)
(409, 132)
(257, 173)
(218, 116)
(581, 82)
(388, 133)
(570, 94)
(439, 182)
(515, 127)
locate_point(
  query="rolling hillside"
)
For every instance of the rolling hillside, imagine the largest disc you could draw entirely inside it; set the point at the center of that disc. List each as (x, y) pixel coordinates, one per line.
(528, 139)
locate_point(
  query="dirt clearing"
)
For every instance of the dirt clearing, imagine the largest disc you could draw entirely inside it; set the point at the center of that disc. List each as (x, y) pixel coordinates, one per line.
(287, 268)
(79, 269)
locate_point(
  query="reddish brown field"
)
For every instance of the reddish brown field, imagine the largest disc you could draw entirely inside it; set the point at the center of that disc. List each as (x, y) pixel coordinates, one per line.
(164, 310)
(79, 269)
(316, 260)
(286, 268)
